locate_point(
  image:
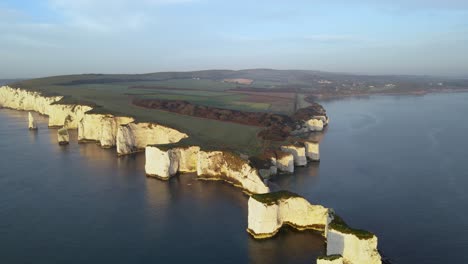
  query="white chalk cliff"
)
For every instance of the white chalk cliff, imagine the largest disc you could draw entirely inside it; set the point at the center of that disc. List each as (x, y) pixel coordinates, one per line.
(66, 115)
(136, 136)
(324, 119)
(267, 213)
(211, 165)
(298, 153)
(314, 125)
(59, 115)
(26, 100)
(231, 168)
(356, 246)
(187, 158)
(101, 128)
(285, 162)
(160, 163)
(31, 122)
(312, 150)
(333, 259)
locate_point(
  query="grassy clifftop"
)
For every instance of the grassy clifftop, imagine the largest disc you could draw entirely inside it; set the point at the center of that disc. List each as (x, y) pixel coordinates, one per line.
(256, 90)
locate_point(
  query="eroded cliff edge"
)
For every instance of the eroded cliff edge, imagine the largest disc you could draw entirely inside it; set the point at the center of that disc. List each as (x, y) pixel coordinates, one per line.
(105, 129)
(267, 213)
(129, 136)
(163, 162)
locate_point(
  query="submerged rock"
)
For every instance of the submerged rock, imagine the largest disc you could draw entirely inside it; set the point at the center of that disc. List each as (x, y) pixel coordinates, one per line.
(62, 136)
(267, 213)
(31, 122)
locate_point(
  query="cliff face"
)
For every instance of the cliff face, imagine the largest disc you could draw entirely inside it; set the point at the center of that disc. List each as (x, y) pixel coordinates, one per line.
(25, 100)
(136, 136)
(298, 153)
(187, 158)
(231, 168)
(354, 249)
(101, 128)
(210, 165)
(312, 150)
(59, 115)
(269, 212)
(66, 115)
(160, 164)
(324, 119)
(315, 125)
(285, 162)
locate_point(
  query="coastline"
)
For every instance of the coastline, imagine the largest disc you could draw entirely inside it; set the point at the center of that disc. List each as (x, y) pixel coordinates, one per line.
(72, 108)
(336, 97)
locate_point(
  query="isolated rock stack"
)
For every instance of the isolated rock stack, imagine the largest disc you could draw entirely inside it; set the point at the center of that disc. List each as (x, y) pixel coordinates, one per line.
(31, 122)
(62, 136)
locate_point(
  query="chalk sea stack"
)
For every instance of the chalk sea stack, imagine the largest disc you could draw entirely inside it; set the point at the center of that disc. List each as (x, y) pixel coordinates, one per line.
(355, 245)
(62, 136)
(268, 212)
(312, 150)
(31, 122)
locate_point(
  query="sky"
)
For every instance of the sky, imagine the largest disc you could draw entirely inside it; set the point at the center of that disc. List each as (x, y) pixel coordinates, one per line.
(55, 37)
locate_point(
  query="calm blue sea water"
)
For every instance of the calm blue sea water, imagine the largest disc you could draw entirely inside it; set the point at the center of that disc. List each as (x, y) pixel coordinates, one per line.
(397, 166)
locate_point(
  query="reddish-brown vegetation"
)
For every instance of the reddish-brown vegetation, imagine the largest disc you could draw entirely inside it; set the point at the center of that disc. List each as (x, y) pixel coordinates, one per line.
(277, 126)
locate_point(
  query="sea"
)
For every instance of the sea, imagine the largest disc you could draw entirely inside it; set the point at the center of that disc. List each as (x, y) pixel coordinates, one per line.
(394, 165)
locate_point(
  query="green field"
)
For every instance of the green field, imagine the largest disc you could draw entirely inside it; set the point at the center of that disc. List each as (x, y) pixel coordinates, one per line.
(113, 94)
(278, 91)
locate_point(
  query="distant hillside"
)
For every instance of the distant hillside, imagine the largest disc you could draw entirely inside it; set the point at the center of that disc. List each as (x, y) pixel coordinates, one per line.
(7, 81)
(268, 78)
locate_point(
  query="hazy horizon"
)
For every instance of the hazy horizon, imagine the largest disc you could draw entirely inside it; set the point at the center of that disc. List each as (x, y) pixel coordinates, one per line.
(196, 70)
(57, 37)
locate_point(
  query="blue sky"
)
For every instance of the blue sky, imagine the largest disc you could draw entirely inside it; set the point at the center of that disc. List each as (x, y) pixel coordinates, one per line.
(53, 37)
